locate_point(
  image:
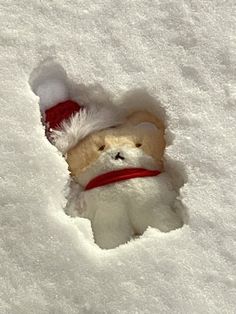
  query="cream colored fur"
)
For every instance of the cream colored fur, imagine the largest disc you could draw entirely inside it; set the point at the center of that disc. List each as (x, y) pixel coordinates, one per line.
(121, 210)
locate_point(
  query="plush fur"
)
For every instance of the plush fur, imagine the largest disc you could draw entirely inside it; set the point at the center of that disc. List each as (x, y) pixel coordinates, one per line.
(80, 125)
(121, 210)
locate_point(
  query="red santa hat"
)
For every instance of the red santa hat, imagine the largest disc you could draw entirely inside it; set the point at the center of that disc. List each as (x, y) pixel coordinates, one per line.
(66, 121)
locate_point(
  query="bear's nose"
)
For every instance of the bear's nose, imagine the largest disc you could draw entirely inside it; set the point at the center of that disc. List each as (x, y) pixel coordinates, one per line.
(119, 156)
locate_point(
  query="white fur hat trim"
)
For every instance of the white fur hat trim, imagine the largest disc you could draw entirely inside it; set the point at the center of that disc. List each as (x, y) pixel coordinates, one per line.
(88, 120)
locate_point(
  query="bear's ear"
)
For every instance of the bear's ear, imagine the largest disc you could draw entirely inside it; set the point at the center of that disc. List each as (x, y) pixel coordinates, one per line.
(146, 126)
(140, 117)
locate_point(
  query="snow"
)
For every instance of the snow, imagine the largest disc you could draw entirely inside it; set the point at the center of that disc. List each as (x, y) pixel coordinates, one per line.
(180, 52)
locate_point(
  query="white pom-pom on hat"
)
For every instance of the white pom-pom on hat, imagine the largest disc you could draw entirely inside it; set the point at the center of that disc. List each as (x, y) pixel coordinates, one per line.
(51, 91)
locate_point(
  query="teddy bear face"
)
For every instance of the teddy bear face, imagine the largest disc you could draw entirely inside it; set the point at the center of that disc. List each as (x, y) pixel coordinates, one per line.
(127, 146)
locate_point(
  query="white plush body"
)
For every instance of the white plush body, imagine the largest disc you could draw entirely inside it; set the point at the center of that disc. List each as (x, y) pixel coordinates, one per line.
(121, 210)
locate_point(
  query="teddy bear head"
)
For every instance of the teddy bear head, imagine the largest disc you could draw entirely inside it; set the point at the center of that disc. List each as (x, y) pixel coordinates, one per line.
(138, 143)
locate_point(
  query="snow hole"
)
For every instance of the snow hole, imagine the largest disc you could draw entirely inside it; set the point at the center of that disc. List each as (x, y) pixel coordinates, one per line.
(96, 94)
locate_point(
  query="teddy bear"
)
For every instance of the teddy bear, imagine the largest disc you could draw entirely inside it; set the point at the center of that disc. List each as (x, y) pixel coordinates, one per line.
(116, 167)
(124, 187)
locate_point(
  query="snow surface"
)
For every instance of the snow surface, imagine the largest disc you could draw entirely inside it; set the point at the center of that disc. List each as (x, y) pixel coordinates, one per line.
(184, 54)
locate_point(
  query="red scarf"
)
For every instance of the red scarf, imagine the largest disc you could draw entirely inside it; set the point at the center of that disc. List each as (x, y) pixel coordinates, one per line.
(120, 175)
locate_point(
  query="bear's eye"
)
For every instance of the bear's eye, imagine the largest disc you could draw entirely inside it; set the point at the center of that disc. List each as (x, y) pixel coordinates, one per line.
(101, 148)
(138, 144)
